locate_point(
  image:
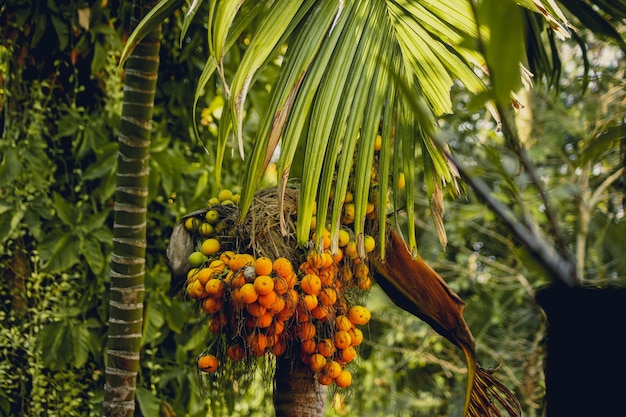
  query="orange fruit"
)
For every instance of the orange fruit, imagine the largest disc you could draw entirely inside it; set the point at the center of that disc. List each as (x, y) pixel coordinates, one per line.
(326, 348)
(279, 305)
(348, 354)
(344, 379)
(264, 320)
(248, 294)
(203, 275)
(332, 369)
(239, 260)
(356, 336)
(281, 285)
(365, 283)
(309, 346)
(212, 305)
(306, 331)
(207, 363)
(257, 342)
(311, 284)
(263, 266)
(214, 288)
(263, 284)
(342, 322)
(196, 290)
(342, 339)
(283, 267)
(225, 256)
(317, 362)
(236, 352)
(324, 379)
(310, 301)
(325, 238)
(359, 315)
(315, 259)
(320, 312)
(279, 347)
(351, 250)
(328, 297)
(255, 309)
(269, 300)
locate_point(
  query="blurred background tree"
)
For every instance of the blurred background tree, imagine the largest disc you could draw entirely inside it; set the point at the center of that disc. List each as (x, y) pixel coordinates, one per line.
(61, 101)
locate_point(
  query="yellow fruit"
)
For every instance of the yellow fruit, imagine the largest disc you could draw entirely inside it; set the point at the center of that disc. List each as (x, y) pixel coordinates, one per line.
(401, 180)
(212, 216)
(359, 315)
(225, 195)
(210, 246)
(317, 362)
(369, 243)
(344, 379)
(344, 237)
(191, 224)
(263, 284)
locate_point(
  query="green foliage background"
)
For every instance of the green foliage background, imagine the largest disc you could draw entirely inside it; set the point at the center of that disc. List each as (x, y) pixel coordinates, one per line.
(61, 97)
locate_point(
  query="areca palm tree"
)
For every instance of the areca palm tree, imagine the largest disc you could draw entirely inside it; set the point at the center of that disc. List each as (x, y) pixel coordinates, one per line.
(357, 70)
(129, 230)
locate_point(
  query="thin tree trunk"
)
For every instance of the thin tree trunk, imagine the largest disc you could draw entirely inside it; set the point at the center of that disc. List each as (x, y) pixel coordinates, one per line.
(129, 229)
(297, 393)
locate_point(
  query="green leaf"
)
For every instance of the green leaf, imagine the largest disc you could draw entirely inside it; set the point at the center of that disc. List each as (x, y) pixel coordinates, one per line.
(154, 18)
(66, 211)
(92, 251)
(276, 25)
(59, 251)
(154, 321)
(149, 404)
(81, 342)
(503, 44)
(192, 9)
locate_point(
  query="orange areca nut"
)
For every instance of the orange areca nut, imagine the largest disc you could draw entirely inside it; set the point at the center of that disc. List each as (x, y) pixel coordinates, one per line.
(196, 290)
(311, 284)
(264, 320)
(342, 339)
(263, 266)
(359, 315)
(306, 331)
(212, 305)
(342, 322)
(214, 288)
(348, 354)
(279, 347)
(239, 260)
(283, 267)
(344, 379)
(257, 342)
(310, 301)
(255, 309)
(315, 260)
(324, 379)
(236, 352)
(309, 346)
(317, 362)
(203, 275)
(332, 369)
(281, 285)
(208, 363)
(320, 312)
(356, 336)
(328, 297)
(269, 300)
(248, 294)
(326, 347)
(263, 284)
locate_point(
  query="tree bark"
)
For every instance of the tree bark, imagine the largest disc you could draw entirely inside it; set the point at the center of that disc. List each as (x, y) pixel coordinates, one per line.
(129, 229)
(297, 393)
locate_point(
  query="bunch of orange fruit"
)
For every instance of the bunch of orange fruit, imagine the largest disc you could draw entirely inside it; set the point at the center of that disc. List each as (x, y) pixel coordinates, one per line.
(262, 306)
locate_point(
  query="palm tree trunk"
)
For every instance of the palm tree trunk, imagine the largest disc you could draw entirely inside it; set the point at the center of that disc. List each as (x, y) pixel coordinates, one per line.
(297, 393)
(129, 229)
